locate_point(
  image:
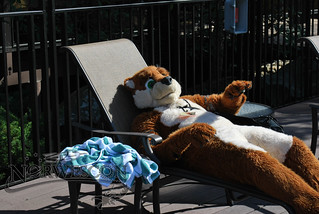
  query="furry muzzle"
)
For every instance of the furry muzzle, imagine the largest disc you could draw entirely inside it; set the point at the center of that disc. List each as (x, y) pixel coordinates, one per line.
(161, 94)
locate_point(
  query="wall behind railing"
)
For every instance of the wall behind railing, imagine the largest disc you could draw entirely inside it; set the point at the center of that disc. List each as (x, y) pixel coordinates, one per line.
(186, 37)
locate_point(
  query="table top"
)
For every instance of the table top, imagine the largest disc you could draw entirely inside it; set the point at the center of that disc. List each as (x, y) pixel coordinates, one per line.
(252, 110)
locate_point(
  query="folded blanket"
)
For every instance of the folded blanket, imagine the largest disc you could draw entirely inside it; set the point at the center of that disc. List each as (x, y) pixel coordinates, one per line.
(105, 160)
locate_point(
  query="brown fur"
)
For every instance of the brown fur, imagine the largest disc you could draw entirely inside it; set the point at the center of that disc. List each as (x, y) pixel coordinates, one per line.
(256, 168)
(301, 160)
(157, 73)
(230, 101)
(196, 147)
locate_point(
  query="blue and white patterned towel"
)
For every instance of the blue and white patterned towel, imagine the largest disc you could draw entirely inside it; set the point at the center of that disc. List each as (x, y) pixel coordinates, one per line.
(105, 160)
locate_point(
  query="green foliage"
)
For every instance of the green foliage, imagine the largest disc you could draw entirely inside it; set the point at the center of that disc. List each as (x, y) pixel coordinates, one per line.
(285, 24)
(20, 4)
(15, 140)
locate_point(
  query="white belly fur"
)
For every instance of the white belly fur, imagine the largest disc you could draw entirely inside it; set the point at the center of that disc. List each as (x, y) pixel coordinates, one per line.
(248, 137)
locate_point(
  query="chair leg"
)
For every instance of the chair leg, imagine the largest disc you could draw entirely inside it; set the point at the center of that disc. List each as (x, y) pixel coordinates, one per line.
(314, 130)
(156, 205)
(232, 199)
(138, 196)
(98, 199)
(74, 191)
(229, 197)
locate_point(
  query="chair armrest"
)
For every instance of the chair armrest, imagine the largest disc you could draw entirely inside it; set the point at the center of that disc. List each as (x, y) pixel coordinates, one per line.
(155, 139)
(314, 106)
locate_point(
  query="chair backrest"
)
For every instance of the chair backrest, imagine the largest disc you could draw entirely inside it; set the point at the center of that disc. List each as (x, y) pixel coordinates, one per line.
(105, 65)
(313, 41)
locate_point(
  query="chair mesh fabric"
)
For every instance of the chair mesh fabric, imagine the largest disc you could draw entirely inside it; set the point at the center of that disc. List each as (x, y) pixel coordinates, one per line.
(106, 65)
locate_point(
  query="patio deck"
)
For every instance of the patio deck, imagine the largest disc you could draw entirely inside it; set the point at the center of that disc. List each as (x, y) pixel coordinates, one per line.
(50, 194)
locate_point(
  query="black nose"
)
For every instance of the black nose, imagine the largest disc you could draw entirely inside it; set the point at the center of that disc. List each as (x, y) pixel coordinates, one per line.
(167, 80)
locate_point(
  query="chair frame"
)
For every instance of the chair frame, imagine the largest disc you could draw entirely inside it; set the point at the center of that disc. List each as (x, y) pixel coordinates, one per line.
(146, 138)
(315, 131)
(230, 187)
(313, 42)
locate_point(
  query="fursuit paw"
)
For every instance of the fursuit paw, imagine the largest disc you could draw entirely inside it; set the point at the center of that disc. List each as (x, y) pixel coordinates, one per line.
(237, 88)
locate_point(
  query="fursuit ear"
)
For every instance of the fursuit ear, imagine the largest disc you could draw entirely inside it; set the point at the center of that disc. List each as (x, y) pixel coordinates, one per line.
(129, 83)
(163, 71)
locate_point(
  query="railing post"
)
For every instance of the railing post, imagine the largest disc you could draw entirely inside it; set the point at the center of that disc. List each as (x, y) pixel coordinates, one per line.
(53, 73)
(66, 85)
(45, 80)
(6, 90)
(35, 110)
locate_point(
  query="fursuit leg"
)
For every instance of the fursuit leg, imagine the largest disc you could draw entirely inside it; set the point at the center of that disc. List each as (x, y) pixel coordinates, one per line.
(289, 150)
(172, 148)
(257, 168)
(301, 160)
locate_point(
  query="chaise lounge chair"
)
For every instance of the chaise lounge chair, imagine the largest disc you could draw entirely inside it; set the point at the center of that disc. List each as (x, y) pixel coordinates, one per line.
(105, 65)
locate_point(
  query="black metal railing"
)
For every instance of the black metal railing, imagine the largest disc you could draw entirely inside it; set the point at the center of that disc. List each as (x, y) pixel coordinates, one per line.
(24, 76)
(186, 37)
